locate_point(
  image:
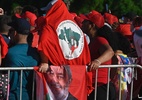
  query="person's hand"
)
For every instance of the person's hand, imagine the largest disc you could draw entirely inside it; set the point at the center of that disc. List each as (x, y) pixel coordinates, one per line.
(43, 67)
(1, 11)
(94, 65)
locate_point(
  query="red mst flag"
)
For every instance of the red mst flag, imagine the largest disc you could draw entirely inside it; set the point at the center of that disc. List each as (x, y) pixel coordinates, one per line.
(61, 40)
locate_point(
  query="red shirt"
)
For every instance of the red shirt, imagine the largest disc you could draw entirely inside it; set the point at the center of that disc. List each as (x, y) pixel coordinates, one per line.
(4, 47)
(94, 46)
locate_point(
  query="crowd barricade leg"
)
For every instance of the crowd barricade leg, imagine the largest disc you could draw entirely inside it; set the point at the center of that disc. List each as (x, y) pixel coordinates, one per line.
(121, 93)
(7, 71)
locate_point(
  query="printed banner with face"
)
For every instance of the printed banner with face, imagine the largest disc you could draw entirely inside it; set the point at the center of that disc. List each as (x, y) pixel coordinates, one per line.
(63, 83)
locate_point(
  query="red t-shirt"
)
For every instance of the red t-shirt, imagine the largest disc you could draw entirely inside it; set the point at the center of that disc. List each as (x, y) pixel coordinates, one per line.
(94, 50)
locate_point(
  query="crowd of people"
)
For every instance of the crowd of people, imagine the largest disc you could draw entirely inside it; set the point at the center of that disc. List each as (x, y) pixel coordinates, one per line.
(60, 37)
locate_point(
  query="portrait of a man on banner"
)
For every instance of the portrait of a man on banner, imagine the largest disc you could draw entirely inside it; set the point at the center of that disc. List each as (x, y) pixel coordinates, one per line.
(58, 79)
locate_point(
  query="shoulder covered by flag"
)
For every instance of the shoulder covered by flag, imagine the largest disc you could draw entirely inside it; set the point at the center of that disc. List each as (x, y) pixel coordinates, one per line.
(62, 41)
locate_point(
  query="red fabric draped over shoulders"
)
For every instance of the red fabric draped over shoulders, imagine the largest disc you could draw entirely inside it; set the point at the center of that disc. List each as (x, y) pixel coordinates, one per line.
(4, 47)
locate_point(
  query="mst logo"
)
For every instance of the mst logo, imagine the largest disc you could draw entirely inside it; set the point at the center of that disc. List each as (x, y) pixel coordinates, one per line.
(71, 39)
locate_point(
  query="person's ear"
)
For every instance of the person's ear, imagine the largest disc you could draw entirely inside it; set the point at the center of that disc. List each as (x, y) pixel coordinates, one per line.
(15, 33)
(91, 26)
(69, 81)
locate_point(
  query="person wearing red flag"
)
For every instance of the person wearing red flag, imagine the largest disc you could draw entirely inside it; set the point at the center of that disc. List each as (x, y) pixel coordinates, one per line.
(62, 42)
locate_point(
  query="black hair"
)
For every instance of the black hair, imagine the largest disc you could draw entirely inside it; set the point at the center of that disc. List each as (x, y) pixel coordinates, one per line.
(110, 36)
(130, 15)
(4, 20)
(116, 40)
(137, 21)
(31, 9)
(123, 43)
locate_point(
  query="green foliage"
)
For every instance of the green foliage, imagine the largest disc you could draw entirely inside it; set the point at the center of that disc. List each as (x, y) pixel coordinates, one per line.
(122, 6)
(86, 6)
(117, 7)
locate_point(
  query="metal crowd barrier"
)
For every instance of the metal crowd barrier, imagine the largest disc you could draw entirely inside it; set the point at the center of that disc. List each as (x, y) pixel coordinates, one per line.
(21, 69)
(117, 66)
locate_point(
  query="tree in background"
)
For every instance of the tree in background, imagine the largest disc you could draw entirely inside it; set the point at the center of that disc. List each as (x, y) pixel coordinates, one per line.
(86, 6)
(121, 7)
(117, 7)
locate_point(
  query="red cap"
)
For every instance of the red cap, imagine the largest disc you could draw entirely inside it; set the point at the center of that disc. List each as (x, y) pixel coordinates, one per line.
(79, 20)
(83, 16)
(31, 17)
(115, 19)
(110, 18)
(18, 15)
(95, 12)
(124, 29)
(96, 18)
(73, 14)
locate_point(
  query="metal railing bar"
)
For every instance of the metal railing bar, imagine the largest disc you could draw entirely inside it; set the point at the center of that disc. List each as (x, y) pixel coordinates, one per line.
(9, 69)
(131, 92)
(119, 66)
(21, 84)
(108, 84)
(95, 94)
(120, 78)
(16, 68)
(33, 88)
(8, 90)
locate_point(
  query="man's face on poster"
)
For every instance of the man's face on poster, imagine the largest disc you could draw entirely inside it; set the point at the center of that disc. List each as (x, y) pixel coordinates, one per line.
(58, 81)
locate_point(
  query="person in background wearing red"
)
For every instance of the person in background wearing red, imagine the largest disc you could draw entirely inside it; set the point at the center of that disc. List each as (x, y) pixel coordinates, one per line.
(101, 53)
(4, 27)
(3, 48)
(79, 21)
(125, 27)
(17, 11)
(107, 30)
(34, 36)
(3, 75)
(4, 40)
